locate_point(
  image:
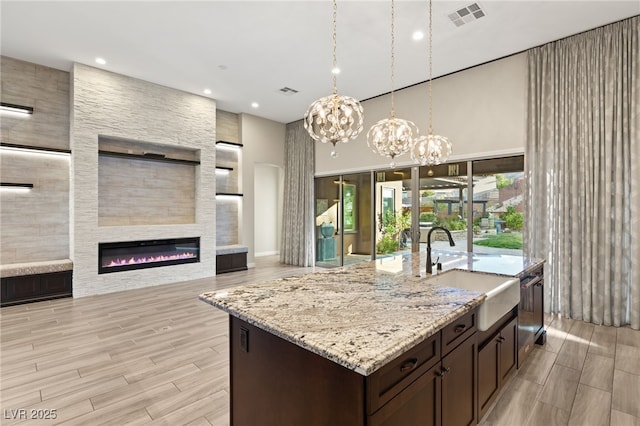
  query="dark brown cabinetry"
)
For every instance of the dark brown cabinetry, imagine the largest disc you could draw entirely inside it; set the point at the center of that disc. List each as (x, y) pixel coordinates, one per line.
(231, 262)
(497, 360)
(33, 288)
(418, 405)
(459, 385)
(446, 393)
(274, 382)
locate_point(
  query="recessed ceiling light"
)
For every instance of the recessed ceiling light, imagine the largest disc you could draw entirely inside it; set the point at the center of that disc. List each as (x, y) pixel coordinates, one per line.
(254, 105)
(207, 91)
(335, 70)
(417, 35)
(101, 61)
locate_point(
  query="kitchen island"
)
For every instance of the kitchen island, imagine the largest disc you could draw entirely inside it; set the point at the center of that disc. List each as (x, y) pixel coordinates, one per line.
(372, 343)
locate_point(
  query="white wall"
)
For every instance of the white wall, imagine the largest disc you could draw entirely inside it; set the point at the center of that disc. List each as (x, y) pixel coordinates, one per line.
(268, 199)
(263, 142)
(481, 111)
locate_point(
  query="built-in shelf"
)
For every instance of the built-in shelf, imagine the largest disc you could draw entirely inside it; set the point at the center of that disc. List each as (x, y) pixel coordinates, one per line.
(229, 194)
(16, 185)
(230, 144)
(22, 109)
(147, 157)
(34, 148)
(224, 168)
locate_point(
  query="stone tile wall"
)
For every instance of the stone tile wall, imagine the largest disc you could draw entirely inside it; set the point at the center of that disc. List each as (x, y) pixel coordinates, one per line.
(228, 209)
(112, 105)
(47, 91)
(34, 225)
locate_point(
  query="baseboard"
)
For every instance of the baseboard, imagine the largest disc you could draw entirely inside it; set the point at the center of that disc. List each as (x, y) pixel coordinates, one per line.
(266, 253)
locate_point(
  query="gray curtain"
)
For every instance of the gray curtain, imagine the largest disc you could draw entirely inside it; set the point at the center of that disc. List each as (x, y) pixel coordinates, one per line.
(298, 217)
(582, 165)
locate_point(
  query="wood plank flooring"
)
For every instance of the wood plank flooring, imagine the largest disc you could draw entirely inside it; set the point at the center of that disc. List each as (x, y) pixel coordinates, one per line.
(586, 375)
(159, 356)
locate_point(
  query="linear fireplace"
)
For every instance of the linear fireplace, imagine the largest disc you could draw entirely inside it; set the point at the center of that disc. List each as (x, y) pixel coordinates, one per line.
(125, 256)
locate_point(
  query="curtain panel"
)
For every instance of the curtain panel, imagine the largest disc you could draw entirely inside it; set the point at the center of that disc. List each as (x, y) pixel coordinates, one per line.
(298, 215)
(582, 166)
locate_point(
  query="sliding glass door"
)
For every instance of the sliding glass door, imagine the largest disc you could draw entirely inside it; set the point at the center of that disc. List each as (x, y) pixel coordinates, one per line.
(499, 185)
(343, 219)
(443, 199)
(393, 213)
(368, 215)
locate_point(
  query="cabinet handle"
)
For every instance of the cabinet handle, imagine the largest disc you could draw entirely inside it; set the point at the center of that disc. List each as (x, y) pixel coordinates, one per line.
(501, 339)
(443, 371)
(408, 365)
(533, 281)
(460, 328)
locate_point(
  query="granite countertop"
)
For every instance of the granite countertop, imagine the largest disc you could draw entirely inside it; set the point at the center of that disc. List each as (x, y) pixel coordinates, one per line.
(360, 316)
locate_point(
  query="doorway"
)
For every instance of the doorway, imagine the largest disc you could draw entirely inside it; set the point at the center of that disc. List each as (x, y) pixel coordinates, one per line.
(268, 185)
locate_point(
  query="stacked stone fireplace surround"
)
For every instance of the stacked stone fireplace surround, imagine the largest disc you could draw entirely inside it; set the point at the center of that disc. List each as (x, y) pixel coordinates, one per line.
(82, 197)
(111, 112)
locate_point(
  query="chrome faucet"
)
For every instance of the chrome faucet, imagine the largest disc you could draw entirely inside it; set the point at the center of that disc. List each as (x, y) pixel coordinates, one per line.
(451, 243)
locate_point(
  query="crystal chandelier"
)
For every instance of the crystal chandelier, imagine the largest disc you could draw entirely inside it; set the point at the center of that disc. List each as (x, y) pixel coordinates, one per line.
(392, 136)
(432, 149)
(334, 118)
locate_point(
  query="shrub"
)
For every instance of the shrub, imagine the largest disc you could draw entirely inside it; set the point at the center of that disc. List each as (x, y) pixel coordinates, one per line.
(512, 219)
(387, 244)
(427, 217)
(452, 223)
(515, 221)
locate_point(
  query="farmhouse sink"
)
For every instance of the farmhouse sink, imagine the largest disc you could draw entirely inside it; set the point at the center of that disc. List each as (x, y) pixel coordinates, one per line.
(503, 293)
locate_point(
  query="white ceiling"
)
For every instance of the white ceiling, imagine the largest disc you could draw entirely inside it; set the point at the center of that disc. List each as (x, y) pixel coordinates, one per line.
(245, 51)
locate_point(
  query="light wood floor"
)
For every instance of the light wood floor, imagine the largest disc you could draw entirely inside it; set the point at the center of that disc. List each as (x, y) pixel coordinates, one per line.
(159, 355)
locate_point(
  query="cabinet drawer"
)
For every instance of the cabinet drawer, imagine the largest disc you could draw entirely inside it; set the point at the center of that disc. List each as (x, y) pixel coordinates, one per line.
(419, 404)
(387, 382)
(457, 332)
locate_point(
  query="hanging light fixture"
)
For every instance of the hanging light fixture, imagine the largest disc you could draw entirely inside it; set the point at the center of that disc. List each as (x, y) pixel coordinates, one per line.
(334, 118)
(392, 136)
(431, 149)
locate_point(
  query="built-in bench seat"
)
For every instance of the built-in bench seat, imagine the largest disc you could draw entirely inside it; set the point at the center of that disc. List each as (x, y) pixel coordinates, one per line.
(35, 281)
(231, 258)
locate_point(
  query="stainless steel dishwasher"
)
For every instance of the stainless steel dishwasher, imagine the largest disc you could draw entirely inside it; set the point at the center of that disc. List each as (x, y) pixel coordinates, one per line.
(531, 313)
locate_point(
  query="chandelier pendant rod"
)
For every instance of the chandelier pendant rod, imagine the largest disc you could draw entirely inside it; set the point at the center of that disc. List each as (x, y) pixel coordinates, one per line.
(430, 67)
(393, 60)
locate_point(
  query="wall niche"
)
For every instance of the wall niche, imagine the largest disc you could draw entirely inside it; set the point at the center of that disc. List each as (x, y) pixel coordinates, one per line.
(143, 183)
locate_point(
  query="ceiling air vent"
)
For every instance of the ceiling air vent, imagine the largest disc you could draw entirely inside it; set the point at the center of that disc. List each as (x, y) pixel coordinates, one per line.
(466, 14)
(288, 91)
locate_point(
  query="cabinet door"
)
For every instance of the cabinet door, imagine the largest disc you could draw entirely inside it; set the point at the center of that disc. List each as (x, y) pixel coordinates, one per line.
(56, 283)
(459, 385)
(508, 350)
(417, 405)
(239, 261)
(489, 380)
(21, 288)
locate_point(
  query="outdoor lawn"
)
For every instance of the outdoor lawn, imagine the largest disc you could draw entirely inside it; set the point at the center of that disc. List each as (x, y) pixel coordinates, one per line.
(507, 240)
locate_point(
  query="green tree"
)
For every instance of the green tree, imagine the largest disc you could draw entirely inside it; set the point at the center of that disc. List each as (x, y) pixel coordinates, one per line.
(502, 181)
(512, 219)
